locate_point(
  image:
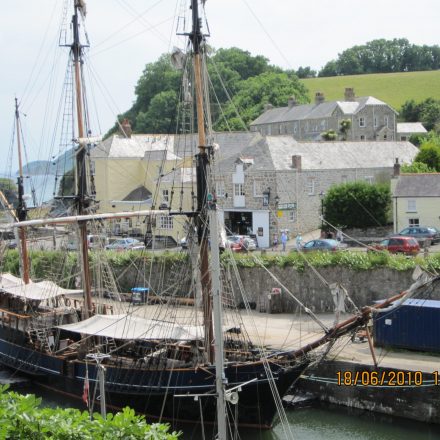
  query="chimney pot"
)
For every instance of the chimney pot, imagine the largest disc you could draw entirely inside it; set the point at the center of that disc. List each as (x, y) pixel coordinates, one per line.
(126, 128)
(296, 162)
(291, 102)
(349, 94)
(319, 97)
(268, 106)
(396, 168)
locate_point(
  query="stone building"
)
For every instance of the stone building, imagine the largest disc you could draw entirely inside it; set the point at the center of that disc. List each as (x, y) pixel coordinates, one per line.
(263, 184)
(370, 119)
(406, 129)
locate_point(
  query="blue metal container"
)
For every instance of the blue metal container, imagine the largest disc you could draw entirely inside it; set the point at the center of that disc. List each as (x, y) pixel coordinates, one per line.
(414, 325)
(139, 295)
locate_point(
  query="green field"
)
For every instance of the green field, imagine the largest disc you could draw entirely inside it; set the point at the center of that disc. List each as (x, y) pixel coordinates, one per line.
(392, 88)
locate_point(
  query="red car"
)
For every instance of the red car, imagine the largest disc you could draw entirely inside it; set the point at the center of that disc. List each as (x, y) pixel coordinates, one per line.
(399, 245)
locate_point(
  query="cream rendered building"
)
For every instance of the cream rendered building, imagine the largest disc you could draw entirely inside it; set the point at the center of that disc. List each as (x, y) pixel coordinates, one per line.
(132, 173)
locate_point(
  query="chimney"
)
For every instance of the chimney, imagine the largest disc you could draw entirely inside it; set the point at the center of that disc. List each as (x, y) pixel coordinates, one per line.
(291, 102)
(268, 106)
(349, 94)
(396, 168)
(319, 97)
(126, 128)
(296, 162)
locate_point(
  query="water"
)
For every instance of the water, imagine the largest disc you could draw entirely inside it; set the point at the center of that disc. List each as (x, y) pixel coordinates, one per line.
(321, 422)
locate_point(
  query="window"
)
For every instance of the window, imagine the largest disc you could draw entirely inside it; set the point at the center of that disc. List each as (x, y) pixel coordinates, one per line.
(166, 222)
(375, 121)
(403, 138)
(238, 189)
(310, 187)
(384, 137)
(92, 168)
(292, 216)
(258, 188)
(362, 137)
(295, 127)
(369, 179)
(280, 128)
(413, 222)
(220, 188)
(165, 195)
(385, 120)
(361, 122)
(412, 206)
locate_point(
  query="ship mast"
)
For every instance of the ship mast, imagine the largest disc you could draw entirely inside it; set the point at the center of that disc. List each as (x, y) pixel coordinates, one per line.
(82, 200)
(21, 206)
(207, 214)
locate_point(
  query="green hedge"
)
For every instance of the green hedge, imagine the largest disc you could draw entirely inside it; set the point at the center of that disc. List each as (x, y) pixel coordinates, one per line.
(23, 417)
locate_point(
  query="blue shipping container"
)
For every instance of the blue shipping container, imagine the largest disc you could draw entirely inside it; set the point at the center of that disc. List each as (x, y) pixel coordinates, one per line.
(414, 325)
(139, 295)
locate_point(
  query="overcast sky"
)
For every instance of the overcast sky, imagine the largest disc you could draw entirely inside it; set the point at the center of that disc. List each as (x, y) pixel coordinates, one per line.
(127, 34)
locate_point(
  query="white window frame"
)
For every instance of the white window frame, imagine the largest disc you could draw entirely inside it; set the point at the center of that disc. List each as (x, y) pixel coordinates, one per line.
(362, 121)
(375, 121)
(220, 189)
(166, 222)
(165, 195)
(385, 120)
(411, 205)
(238, 189)
(258, 192)
(311, 186)
(292, 216)
(295, 127)
(413, 222)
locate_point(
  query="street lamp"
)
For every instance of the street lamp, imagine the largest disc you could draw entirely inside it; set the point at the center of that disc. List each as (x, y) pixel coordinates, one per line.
(322, 195)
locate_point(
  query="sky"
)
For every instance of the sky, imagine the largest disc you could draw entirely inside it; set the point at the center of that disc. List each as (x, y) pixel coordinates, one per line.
(125, 35)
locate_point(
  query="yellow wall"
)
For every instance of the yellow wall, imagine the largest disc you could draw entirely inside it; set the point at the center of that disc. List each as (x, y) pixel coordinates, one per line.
(427, 211)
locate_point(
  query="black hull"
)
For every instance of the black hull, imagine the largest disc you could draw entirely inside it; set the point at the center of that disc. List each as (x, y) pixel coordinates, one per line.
(155, 392)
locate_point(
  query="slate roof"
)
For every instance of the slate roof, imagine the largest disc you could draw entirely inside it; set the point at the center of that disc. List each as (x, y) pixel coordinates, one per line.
(315, 111)
(418, 185)
(139, 194)
(410, 127)
(151, 146)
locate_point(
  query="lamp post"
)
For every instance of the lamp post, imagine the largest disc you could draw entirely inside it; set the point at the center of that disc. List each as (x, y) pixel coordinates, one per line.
(321, 195)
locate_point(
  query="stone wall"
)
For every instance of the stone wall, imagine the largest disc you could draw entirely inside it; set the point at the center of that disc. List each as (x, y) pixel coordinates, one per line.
(413, 402)
(364, 287)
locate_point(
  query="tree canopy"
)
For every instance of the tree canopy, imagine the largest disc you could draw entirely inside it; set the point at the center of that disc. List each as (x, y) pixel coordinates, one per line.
(357, 205)
(250, 81)
(427, 112)
(383, 56)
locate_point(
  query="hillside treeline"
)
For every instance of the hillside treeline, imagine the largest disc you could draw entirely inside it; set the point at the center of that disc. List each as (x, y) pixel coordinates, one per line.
(384, 56)
(240, 86)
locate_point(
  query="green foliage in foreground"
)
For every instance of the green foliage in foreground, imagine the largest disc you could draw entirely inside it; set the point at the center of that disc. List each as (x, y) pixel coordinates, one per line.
(23, 417)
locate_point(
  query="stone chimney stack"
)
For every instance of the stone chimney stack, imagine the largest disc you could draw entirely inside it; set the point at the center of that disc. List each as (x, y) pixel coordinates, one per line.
(349, 94)
(291, 102)
(319, 97)
(396, 168)
(126, 128)
(268, 106)
(296, 162)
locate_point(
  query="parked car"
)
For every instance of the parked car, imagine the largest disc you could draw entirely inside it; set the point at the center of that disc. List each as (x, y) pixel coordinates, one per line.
(398, 244)
(239, 243)
(127, 243)
(323, 244)
(93, 242)
(421, 233)
(12, 244)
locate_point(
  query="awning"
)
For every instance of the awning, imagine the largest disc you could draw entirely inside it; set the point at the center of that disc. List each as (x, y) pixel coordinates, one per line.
(134, 327)
(40, 291)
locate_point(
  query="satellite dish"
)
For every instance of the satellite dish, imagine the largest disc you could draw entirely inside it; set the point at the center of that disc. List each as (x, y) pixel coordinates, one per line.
(178, 58)
(231, 397)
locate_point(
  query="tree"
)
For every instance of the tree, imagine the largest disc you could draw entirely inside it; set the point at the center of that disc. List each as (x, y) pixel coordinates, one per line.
(430, 156)
(344, 127)
(427, 112)
(416, 167)
(255, 92)
(357, 204)
(305, 72)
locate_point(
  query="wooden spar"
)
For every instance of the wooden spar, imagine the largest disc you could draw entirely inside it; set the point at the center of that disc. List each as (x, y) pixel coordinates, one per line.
(81, 176)
(90, 217)
(346, 326)
(202, 178)
(21, 208)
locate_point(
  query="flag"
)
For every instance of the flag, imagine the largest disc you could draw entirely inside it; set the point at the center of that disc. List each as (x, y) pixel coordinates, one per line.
(85, 395)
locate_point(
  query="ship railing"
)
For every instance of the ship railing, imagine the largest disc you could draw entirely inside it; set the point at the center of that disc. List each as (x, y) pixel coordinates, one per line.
(13, 320)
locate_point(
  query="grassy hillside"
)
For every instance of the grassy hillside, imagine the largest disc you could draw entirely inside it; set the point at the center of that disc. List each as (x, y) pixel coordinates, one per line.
(392, 88)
